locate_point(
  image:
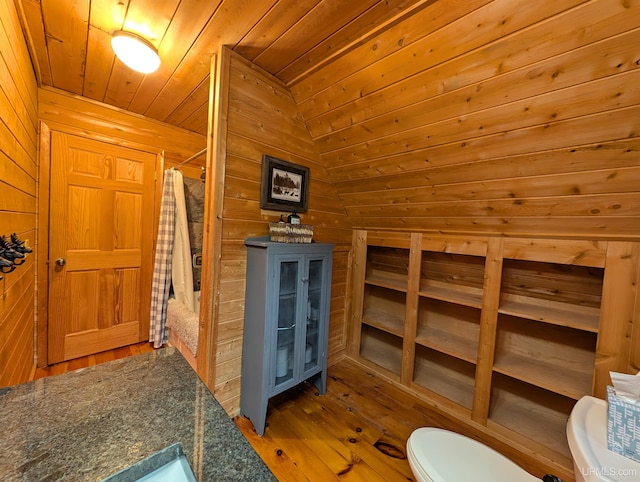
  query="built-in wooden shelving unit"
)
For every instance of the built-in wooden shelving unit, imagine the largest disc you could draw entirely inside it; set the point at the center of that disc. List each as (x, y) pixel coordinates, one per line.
(503, 334)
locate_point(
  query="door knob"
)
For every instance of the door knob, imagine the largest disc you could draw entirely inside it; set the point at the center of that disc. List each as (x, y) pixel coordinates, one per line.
(61, 261)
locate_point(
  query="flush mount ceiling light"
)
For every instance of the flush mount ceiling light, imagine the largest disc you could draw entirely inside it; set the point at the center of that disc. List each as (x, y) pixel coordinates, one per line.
(135, 51)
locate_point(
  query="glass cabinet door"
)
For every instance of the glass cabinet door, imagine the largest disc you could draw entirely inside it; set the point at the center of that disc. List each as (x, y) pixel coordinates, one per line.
(313, 314)
(287, 302)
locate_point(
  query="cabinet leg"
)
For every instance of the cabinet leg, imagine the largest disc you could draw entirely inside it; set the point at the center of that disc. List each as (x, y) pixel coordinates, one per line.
(261, 421)
(256, 411)
(320, 382)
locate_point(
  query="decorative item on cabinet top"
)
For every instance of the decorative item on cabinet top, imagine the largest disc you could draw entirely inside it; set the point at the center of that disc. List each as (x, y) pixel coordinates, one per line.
(290, 233)
(12, 253)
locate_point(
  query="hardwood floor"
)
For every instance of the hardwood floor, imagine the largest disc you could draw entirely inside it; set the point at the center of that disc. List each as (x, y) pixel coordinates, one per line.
(349, 434)
(357, 432)
(87, 361)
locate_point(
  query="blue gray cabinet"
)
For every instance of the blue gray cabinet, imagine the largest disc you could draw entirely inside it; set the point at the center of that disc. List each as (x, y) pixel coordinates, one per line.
(286, 321)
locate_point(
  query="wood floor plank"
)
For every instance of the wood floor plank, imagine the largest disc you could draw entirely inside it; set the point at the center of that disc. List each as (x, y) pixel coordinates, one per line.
(91, 360)
(350, 421)
(287, 439)
(273, 454)
(368, 405)
(387, 395)
(78, 363)
(311, 432)
(141, 348)
(361, 442)
(336, 453)
(350, 424)
(57, 369)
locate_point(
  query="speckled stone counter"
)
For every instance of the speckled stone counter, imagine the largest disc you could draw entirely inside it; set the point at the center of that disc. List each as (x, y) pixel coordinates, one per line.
(89, 424)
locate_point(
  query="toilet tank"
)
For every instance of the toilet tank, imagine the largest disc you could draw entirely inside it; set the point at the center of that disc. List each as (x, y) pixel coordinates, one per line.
(587, 436)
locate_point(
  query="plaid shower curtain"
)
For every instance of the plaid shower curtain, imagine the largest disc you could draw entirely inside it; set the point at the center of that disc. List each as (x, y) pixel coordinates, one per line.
(162, 265)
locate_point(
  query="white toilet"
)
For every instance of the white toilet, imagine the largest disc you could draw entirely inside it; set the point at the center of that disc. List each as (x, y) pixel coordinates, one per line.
(587, 436)
(437, 455)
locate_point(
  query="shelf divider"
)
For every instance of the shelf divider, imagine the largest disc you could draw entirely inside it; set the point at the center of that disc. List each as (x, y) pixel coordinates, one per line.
(488, 326)
(411, 312)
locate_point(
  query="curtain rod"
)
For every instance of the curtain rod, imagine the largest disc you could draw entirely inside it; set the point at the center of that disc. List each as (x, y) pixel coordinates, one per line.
(195, 156)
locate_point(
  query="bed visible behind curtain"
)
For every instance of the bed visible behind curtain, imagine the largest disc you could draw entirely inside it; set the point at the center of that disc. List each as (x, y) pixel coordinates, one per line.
(182, 320)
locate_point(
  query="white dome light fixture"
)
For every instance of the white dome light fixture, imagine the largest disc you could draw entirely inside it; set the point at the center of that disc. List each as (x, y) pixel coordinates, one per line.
(135, 51)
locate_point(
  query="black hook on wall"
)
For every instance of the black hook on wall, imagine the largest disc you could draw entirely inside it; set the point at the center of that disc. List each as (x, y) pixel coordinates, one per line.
(12, 253)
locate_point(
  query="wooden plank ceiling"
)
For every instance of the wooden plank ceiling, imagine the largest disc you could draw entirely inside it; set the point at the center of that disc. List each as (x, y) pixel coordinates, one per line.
(70, 42)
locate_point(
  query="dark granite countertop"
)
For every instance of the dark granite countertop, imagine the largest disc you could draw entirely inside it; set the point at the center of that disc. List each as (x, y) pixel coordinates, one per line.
(89, 424)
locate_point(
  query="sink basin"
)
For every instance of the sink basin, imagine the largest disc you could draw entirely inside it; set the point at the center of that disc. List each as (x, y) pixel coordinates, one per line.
(169, 464)
(177, 470)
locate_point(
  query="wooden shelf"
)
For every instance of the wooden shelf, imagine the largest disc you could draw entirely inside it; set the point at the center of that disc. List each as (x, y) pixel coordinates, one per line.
(452, 295)
(450, 377)
(384, 321)
(387, 267)
(384, 308)
(390, 283)
(449, 344)
(550, 376)
(537, 414)
(448, 328)
(556, 358)
(561, 314)
(381, 348)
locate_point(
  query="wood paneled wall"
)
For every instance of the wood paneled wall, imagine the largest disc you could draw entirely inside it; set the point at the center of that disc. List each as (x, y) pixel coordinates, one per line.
(262, 118)
(85, 117)
(499, 117)
(18, 196)
(79, 116)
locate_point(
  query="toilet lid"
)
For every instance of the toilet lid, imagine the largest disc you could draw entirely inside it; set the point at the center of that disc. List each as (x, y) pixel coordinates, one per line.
(446, 456)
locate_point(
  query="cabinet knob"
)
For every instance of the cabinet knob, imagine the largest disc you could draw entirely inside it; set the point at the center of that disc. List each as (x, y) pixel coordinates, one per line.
(305, 280)
(61, 261)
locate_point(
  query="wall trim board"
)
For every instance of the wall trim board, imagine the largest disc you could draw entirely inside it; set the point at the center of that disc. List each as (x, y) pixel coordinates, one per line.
(42, 285)
(212, 231)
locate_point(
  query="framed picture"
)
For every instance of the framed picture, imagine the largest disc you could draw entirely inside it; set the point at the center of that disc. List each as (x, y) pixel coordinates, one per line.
(285, 186)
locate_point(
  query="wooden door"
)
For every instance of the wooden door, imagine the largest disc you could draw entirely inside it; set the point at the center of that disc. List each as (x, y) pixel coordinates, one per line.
(100, 246)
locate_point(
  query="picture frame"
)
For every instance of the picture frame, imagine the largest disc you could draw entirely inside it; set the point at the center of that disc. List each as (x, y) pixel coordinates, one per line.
(285, 185)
